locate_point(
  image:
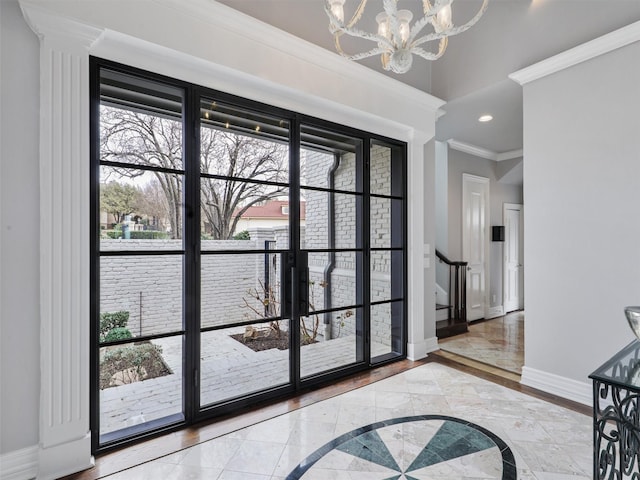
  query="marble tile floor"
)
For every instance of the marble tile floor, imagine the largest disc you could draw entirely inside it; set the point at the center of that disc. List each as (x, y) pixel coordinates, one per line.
(498, 342)
(431, 421)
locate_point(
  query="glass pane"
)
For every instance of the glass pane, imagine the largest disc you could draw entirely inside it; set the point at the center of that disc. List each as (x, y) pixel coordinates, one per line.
(243, 144)
(330, 160)
(239, 287)
(140, 137)
(386, 275)
(380, 172)
(332, 280)
(325, 231)
(242, 360)
(233, 209)
(140, 382)
(380, 276)
(140, 296)
(386, 328)
(140, 210)
(330, 341)
(329, 170)
(386, 223)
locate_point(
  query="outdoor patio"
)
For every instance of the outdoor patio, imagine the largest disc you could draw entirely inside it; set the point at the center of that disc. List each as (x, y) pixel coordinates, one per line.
(229, 369)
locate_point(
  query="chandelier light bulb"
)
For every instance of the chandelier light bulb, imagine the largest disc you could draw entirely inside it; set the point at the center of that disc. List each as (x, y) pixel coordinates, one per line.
(337, 8)
(443, 19)
(404, 17)
(383, 25)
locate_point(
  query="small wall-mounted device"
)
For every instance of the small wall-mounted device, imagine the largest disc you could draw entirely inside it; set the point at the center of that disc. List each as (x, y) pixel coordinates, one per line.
(497, 233)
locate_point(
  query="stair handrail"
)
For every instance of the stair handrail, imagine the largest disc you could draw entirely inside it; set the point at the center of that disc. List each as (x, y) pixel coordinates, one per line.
(450, 262)
(458, 283)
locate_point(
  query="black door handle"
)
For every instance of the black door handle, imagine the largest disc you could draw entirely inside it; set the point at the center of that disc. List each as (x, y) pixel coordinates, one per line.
(302, 268)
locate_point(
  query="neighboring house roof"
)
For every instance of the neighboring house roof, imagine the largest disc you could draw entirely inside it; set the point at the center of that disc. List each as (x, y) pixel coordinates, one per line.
(273, 209)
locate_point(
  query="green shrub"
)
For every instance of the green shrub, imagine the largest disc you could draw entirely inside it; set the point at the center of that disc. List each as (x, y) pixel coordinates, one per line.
(136, 234)
(148, 235)
(115, 334)
(111, 320)
(243, 235)
(132, 363)
(112, 234)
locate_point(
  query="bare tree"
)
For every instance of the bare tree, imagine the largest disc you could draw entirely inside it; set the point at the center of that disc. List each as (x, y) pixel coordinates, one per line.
(142, 139)
(229, 154)
(153, 204)
(136, 138)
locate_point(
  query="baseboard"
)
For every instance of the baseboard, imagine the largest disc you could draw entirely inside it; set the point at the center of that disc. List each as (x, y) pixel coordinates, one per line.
(494, 312)
(20, 464)
(418, 351)
(66, 458)
(581, 392)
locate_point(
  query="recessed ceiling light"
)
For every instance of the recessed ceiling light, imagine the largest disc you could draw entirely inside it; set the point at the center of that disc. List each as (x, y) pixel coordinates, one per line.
(485, 118)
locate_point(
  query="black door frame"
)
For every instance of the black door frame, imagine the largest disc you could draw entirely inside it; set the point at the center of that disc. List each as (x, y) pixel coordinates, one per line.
(192, 412)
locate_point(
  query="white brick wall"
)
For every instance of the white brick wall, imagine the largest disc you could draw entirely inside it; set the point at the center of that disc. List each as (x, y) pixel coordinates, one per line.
(150, 287)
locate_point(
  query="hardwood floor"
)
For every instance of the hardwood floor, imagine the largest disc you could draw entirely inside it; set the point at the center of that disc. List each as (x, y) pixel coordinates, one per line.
(152, 449)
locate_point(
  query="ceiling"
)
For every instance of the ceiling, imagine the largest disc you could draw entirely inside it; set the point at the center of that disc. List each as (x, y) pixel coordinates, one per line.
(472, 76)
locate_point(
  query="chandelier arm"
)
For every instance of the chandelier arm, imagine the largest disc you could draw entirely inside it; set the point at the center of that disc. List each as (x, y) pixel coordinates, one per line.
(430, 11)
(390, 7)
(355, 32)
(358, 56)
(357, 15)
(370, 53)
(430, 55)
(336, 39)
(450, 32)
(419, 25)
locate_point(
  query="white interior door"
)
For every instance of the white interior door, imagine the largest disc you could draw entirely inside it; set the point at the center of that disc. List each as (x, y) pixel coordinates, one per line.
(513, 259)
(475, 241)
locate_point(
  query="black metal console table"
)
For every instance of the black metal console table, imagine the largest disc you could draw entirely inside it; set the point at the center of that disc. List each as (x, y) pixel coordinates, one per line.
(616, 416)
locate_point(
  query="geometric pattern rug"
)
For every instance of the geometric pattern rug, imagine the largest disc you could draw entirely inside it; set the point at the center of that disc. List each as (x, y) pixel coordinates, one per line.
(412, 448)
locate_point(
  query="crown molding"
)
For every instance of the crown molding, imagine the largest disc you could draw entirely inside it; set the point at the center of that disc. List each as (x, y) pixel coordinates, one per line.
(510, 155)
(223, 16)
(483, 152)
(472, 149)
(61, 31)
(599, 46)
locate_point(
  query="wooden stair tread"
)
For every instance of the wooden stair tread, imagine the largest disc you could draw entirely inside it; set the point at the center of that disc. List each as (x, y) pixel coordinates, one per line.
(449, 328)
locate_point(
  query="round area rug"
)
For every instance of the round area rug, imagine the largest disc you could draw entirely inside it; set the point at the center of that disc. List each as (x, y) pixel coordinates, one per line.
(412, 448)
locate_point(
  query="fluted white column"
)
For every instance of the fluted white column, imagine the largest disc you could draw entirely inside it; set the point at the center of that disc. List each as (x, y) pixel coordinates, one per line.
(421, 327)
(65, 439)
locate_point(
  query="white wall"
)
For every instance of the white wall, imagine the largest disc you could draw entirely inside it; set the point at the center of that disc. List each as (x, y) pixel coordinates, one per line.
(19, 232)
(500, 194)
(582, 235)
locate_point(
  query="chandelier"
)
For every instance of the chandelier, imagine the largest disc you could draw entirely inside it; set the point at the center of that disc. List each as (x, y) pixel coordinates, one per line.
(396, 40)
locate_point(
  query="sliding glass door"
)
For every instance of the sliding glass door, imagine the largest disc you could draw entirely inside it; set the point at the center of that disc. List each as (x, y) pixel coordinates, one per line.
(240, 252)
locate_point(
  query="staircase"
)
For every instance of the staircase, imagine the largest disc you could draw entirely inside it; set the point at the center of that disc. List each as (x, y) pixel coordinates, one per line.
(451, 319)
